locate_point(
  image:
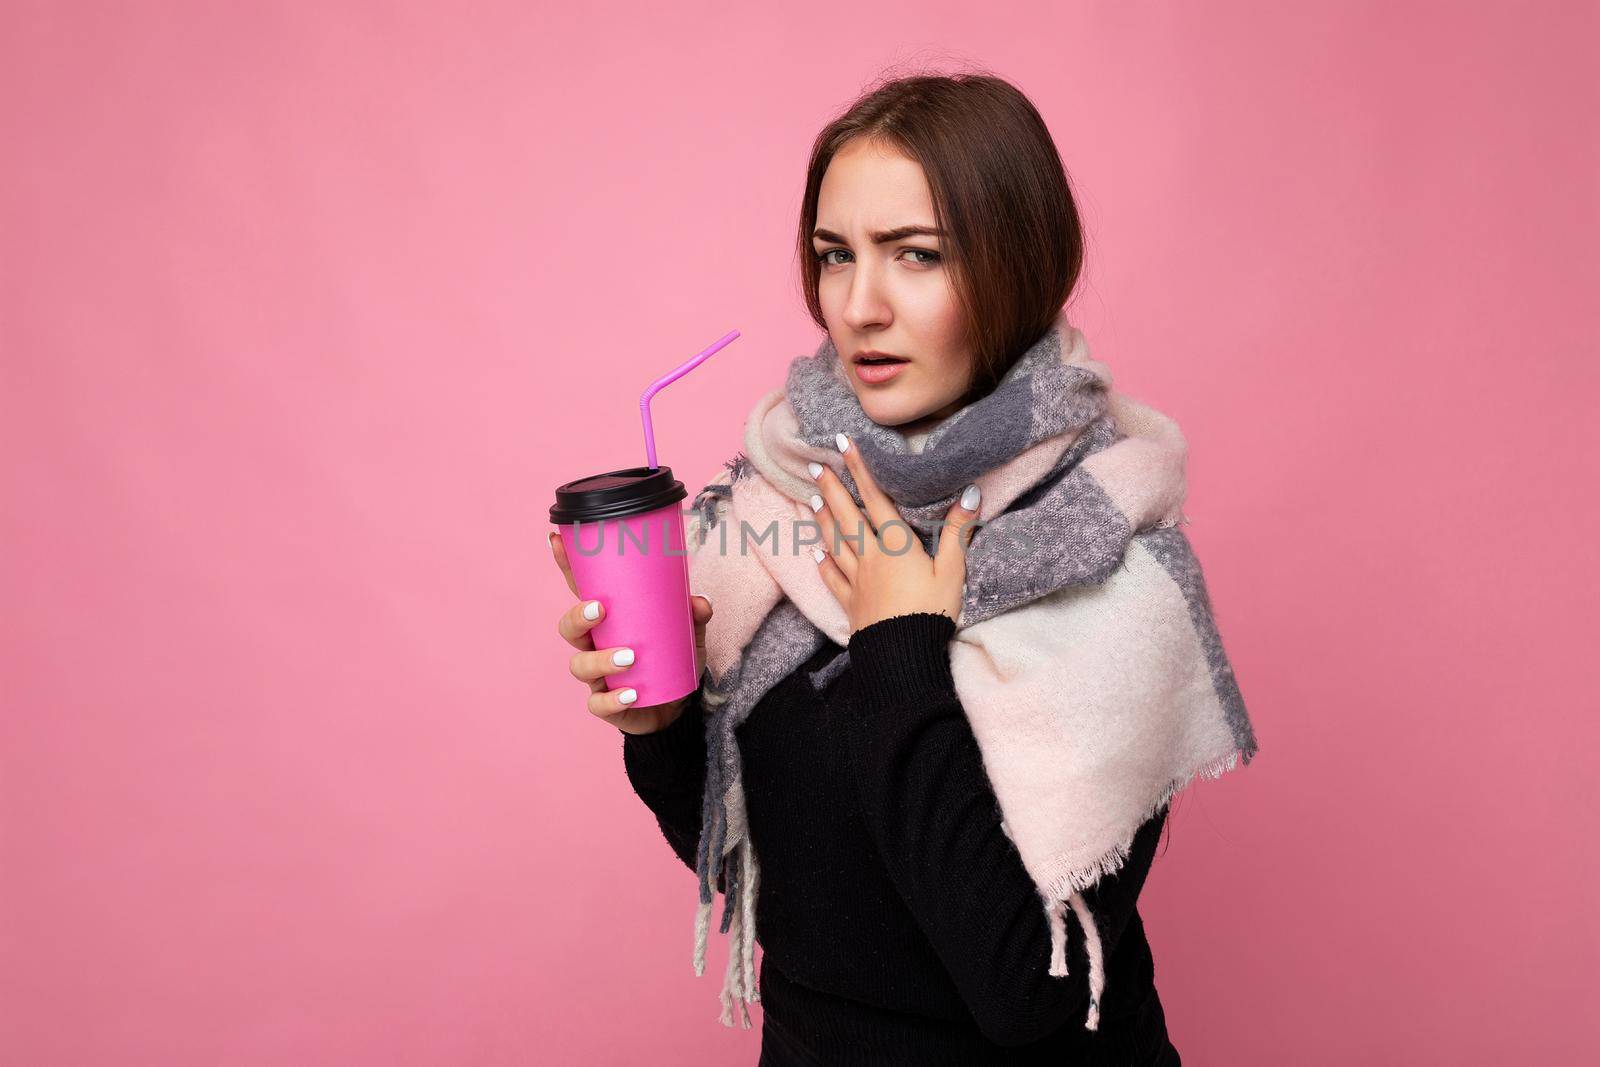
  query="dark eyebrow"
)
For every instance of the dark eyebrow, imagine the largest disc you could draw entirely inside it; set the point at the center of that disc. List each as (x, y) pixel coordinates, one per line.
(883, 237)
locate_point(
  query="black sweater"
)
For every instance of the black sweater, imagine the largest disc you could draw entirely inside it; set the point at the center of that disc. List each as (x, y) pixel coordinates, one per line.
(896, 920)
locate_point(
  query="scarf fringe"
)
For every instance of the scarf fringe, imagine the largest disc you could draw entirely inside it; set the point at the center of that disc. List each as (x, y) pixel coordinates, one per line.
(743, 873)
(702, 931)
(739, 980)
(1055, 912)
(1097, 966)
(1067, 889)
(1084, 875)
(702, 919)
(752, 877)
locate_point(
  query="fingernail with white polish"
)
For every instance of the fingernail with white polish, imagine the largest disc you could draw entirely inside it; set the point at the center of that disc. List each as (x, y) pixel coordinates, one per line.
(970, 498)
(815, 469)
(816, 503)
(627, 696)
(591, 610)
(622, 657)
(842, 441)
(817, 554)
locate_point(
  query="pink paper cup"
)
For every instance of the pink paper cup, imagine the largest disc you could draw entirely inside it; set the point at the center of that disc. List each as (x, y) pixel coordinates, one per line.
(623, 532)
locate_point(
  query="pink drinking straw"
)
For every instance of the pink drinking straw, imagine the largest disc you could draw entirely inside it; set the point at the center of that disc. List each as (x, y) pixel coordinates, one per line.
(666, 380)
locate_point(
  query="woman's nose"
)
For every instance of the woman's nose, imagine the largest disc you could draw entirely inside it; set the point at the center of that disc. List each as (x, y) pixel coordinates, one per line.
(865, 306)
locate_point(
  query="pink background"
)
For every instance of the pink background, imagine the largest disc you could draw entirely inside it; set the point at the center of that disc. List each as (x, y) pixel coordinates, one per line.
(305, 309)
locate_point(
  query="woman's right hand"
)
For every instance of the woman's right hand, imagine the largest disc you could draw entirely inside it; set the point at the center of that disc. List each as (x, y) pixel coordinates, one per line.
(591, 666)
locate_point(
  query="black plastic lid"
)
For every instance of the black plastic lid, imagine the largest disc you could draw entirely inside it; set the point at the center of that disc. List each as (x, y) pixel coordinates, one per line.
(616, 494)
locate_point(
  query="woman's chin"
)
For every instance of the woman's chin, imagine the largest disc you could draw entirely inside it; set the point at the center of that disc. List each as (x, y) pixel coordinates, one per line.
(889, 414)
(905, 424)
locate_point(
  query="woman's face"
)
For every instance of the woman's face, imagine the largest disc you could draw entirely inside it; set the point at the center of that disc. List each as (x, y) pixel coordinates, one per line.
(892, 296)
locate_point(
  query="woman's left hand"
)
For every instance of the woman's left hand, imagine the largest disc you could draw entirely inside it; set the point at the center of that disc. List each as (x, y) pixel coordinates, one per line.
(875, 565)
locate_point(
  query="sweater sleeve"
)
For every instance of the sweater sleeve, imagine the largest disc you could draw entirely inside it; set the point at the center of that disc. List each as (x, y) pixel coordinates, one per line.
(930, 808)
(667, 769)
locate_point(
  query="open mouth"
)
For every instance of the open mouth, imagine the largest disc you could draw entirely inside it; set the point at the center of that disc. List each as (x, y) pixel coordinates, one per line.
(876, 369)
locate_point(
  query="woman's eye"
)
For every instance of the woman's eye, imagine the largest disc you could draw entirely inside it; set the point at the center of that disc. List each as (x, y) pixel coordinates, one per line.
(933, 257)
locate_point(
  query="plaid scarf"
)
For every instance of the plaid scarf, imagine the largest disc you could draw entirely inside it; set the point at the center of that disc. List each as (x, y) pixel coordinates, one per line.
(1086, 655)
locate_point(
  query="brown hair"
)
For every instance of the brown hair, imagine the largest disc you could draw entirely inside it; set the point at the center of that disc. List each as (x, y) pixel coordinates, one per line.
(1013, 243)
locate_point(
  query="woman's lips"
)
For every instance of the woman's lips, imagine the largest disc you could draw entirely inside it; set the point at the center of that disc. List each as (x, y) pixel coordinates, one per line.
(874, 373)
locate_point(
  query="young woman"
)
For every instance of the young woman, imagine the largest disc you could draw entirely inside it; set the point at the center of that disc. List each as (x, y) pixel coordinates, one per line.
(898, 920)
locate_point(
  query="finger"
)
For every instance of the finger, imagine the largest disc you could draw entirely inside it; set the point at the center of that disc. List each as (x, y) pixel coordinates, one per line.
(700, 609)
(608, 703)
(593, 667)
(880, 509)
(576, 622)
(832, 543)
(959, 526)
(850, 529)
(833, 578)
(558, 549)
